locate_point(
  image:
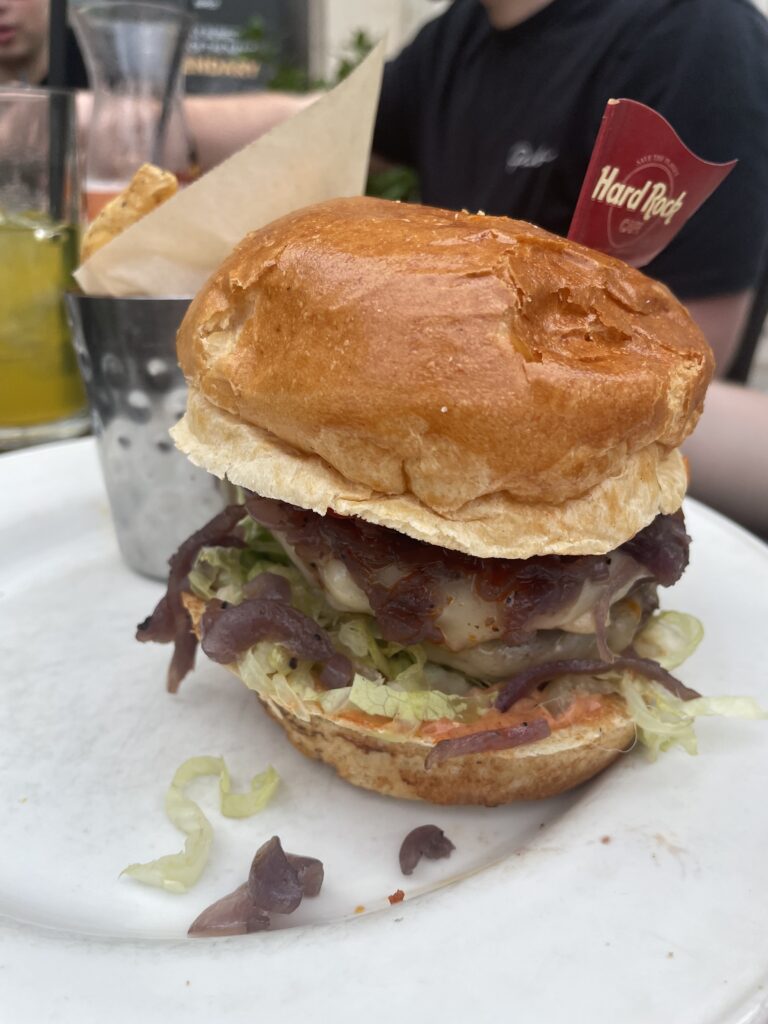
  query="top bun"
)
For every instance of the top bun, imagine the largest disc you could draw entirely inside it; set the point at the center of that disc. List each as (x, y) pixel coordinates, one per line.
(458, 368)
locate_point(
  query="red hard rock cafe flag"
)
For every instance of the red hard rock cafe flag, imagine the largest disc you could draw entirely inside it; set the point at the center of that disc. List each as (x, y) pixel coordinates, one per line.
(641, 186)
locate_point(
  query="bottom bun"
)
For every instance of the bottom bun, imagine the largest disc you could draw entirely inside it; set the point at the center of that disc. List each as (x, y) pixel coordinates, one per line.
(394, 767)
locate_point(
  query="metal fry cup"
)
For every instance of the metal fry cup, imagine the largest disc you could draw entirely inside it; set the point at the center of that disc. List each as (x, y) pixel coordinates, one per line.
(126, 349)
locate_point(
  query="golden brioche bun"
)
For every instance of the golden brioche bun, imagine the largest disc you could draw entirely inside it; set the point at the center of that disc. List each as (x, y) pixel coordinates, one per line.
(545, 768)
(566, 758)
(472, 381)
(651, 480)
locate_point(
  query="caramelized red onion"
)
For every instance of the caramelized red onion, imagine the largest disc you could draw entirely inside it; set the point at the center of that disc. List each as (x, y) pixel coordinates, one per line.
(228, 630)
(233, 914)
(488, 739)
(523, 683)
(310, 872)
(170, 621)
(277, 882)
(273, 882)
(407, 582)
(269, 586)
(662, 547)
(337, 671)
(425, 841)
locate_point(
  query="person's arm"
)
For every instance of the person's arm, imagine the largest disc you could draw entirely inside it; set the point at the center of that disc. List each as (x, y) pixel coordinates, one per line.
(222, 124)
(728, 455)
(722, 321)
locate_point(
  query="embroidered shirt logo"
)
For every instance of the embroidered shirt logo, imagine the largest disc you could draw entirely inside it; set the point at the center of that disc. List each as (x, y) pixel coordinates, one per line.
(522, 154)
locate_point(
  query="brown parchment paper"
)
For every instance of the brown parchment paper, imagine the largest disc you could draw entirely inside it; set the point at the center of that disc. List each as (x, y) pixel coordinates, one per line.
(320, 153)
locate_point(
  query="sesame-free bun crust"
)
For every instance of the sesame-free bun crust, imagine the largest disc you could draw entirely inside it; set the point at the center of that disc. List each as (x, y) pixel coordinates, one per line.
(446, 357)
(566, 758)
(651, 480)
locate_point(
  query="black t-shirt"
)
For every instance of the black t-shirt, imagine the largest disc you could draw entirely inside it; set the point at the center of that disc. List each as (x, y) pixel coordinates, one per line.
(505, 121)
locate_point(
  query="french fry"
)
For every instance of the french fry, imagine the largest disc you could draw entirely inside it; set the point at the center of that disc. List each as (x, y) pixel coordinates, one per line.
(149, 187)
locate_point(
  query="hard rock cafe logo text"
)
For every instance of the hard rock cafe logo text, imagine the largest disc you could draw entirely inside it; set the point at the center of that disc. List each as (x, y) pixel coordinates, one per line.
(651, 199)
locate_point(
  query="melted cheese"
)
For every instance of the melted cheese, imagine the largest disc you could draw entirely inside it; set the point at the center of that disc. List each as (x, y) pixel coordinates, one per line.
(332, 575)
(340, 589)
(471, 626)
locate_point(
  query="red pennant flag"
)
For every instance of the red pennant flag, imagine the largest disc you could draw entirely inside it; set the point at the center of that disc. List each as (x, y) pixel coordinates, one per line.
(641, 186)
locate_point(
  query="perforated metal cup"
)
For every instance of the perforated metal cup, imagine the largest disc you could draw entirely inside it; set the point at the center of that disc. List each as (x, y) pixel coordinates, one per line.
(126, 349)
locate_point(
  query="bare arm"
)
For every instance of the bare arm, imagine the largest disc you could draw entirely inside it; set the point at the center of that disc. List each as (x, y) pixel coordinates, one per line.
(722, 320)
(222, 124)
(728, 454)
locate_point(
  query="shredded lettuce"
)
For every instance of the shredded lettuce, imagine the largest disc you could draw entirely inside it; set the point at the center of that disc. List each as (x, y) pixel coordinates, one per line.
(355, 632)
(243, 805)
(223, 572)
(356, 636)
(669, 638)
(664, 721)
(265, 668)
(219, 572)
(259, 539)
(398, 682)
(412, 706)
(177, 872)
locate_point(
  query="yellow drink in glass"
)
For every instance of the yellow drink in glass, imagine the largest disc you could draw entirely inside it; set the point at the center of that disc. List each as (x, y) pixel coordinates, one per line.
(39, 378)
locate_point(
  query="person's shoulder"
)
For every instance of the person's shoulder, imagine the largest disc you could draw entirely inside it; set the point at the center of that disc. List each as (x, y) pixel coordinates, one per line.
(738, 13)
(696, 17)
(727, 37)
(724, 40)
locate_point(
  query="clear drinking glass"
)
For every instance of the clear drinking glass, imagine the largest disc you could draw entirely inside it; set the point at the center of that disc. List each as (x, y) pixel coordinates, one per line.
(41, 393)
(134, 54)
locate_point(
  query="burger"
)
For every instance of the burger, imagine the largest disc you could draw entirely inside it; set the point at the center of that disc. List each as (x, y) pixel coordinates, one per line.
(456, 443)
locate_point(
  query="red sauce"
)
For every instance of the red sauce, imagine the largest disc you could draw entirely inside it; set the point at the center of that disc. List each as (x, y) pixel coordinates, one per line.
(582, 708)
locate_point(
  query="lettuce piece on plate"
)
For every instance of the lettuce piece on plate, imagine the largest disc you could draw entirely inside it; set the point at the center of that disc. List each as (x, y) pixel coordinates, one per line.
(177, 872)
(243, 805)
(664, 721)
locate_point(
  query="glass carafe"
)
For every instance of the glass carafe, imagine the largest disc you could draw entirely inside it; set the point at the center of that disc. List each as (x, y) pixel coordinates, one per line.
(133, 52)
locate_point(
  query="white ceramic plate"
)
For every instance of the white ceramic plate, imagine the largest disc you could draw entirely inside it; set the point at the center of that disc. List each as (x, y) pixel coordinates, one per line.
(641, 898)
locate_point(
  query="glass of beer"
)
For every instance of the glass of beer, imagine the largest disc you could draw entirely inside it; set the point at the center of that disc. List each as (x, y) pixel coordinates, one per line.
(41, 393)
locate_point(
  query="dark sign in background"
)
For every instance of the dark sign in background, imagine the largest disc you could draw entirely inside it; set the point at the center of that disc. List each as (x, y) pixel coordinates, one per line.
(223, 56)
